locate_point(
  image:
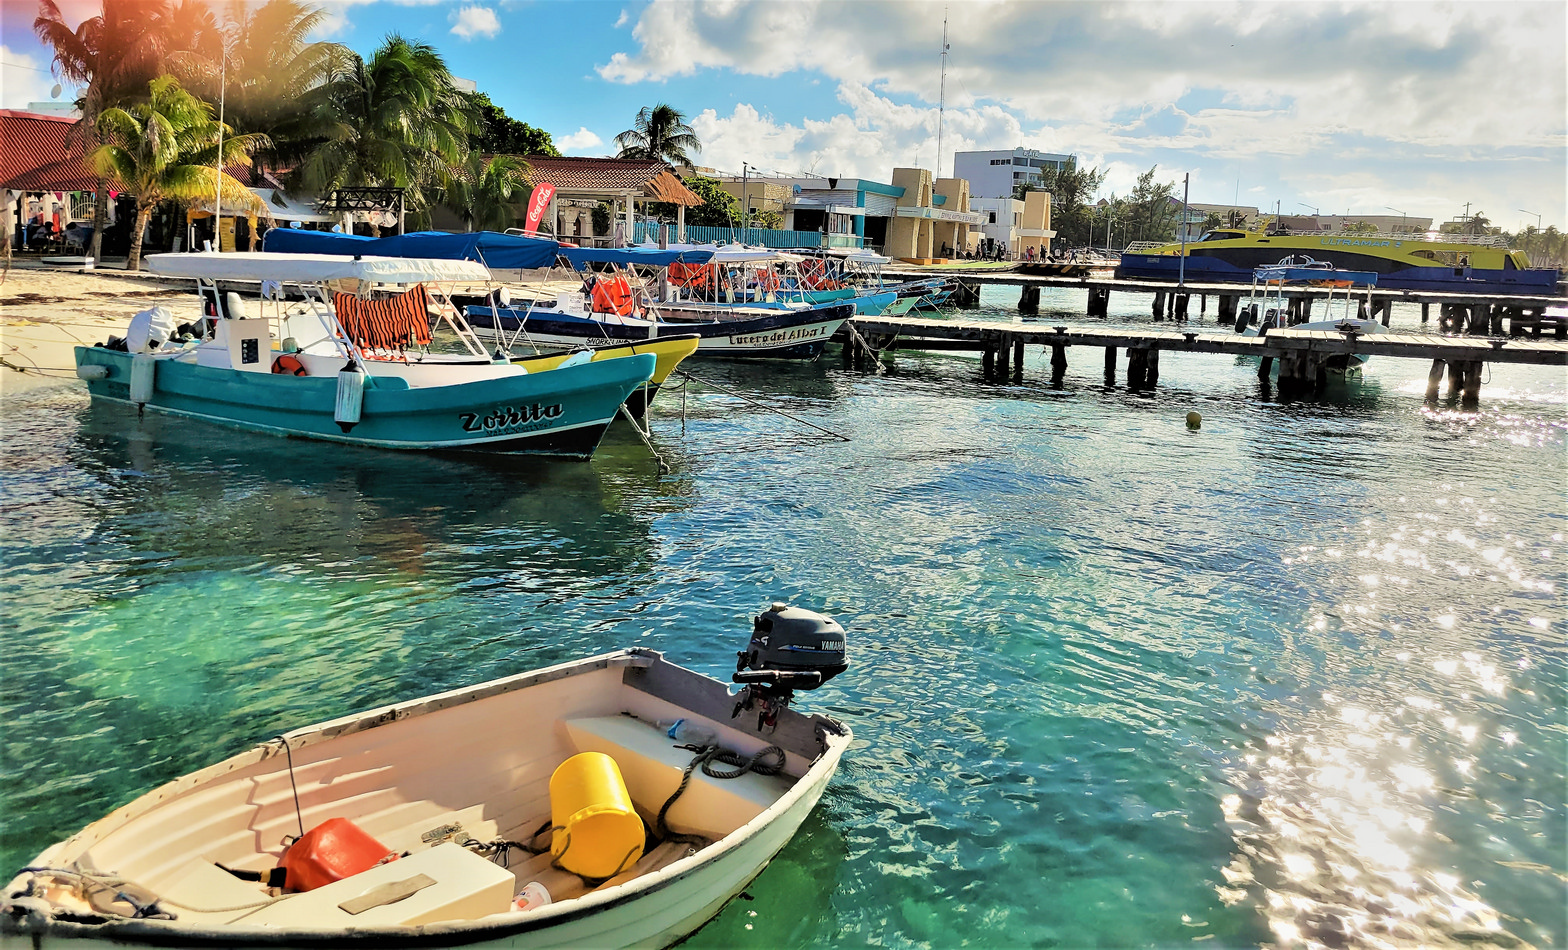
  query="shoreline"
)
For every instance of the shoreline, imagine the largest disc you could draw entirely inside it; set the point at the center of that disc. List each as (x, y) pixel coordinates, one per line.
(47, 311)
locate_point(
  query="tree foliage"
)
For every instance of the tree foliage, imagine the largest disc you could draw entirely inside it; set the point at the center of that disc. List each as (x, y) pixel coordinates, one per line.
(167, 147)
(115, 55)
(500, 134)
(1547, 248)
(394, 120)
(718, 210)
(1072, 189)
(1152, 211)
(1361, 227)
(659, 134)
(482, 190)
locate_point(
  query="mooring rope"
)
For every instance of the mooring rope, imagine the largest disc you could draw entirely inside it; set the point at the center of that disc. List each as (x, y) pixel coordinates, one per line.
(760, 405)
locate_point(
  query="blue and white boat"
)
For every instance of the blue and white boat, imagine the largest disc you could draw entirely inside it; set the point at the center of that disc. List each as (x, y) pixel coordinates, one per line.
(616, 304)
(335, 349)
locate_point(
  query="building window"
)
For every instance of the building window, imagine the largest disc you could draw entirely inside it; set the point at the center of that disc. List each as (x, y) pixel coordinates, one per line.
(1001, 161)
(993, 217)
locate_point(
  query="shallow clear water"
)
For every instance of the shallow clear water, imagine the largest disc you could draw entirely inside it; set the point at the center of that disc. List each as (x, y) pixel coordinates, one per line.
(1295, 677)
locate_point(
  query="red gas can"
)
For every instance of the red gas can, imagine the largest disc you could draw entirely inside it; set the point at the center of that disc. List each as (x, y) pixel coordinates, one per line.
(331, 851)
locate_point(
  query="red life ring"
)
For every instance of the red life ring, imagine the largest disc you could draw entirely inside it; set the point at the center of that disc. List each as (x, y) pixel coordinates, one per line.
(613, 296)
(289, 365)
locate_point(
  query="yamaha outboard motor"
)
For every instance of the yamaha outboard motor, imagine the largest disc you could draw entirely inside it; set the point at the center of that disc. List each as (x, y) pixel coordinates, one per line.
(790, 649)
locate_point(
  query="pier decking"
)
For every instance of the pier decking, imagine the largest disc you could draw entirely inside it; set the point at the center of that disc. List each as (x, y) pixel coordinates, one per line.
(1302, 354)
(1524, 312)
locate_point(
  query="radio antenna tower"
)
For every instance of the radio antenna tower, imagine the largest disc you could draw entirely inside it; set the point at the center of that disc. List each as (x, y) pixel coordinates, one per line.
(941, 105)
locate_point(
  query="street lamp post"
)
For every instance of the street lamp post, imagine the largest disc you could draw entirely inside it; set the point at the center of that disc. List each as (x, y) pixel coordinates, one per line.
(1537, 218)
(1401, 216)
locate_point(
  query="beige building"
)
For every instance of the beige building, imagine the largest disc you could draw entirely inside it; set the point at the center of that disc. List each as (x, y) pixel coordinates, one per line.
(931, 219)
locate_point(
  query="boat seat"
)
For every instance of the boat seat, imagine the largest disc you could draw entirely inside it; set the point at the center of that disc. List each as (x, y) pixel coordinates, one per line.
(652, 765)
(199, 890)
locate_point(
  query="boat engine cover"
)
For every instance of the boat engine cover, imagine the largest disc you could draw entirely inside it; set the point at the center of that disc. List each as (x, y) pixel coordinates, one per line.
(795, 639)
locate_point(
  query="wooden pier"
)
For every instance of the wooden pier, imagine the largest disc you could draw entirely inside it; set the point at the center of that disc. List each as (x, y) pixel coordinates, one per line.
(1475, 312)
(1302, 355)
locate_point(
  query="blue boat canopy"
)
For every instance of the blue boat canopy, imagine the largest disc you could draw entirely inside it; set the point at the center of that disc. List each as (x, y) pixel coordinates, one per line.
(490, 248)
(581, 257)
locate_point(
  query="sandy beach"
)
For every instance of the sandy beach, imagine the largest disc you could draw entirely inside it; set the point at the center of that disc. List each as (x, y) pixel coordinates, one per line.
(45, 311)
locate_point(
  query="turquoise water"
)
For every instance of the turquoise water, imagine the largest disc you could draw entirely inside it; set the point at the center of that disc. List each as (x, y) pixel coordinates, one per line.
(1296, 678)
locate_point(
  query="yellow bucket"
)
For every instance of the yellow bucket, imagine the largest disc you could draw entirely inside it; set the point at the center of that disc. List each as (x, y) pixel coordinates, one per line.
(597, 831)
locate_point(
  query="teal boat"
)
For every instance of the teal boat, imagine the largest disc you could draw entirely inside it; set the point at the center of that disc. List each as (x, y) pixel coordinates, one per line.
(335, 351)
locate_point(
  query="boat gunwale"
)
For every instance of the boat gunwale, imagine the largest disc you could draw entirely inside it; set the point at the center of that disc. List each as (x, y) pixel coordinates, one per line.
(171, 933)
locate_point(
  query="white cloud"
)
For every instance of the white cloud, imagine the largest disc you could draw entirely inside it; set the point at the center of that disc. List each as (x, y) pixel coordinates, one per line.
(473, 21)
(25, 79)
(623, 19)
(1358, 103)
(578, 142)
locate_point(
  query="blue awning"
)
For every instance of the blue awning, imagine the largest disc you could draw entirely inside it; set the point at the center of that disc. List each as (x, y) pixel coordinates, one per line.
(581, 257)
(495, 250)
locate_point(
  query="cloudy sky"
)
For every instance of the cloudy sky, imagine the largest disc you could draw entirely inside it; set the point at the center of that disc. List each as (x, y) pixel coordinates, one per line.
(1343, 107)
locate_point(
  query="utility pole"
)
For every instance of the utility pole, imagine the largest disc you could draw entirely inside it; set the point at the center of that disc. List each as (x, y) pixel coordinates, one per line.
(745, 190)
(1181, 273)
(941, 105)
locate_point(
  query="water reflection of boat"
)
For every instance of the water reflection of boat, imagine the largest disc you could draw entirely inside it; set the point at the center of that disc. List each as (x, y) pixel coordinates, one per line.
(424, 817)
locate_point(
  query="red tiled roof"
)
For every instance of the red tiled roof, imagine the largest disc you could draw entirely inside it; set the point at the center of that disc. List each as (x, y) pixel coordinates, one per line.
(610, 175)
(37, 154)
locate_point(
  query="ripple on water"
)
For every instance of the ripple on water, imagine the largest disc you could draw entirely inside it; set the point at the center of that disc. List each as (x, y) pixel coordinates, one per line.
(1294, 679)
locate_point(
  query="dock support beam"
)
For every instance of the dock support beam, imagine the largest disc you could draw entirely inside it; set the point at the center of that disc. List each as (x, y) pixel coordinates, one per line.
(1426, 313)
(1265, 367)
(1058, 364)
(1471, 395)
(1227, 311)
(1138, 367)
(967, 295)
(1434, 379)
(1151, 366)
(1159, 305)
(1099, 301)
(1029, 299)
(1383, 309)
(1179, 311)
(1018, 358)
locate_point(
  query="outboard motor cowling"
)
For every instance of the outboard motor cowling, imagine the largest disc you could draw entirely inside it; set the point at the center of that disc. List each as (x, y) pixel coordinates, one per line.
(791, 648)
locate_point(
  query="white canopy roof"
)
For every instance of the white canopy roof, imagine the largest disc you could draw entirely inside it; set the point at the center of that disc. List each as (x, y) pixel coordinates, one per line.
(310, 268)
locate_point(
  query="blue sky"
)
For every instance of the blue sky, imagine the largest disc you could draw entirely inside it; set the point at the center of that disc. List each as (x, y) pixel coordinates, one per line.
(1342, 107)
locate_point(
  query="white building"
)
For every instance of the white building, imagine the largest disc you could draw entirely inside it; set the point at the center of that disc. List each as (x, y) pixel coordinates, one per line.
(993, 174)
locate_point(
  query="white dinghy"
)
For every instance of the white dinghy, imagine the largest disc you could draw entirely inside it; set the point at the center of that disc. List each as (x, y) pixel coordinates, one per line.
(477, 819)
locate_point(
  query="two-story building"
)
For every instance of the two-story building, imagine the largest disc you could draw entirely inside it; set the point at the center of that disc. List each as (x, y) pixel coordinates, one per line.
(994, 174)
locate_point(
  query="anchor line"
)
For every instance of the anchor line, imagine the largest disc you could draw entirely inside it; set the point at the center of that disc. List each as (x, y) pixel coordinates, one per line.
(760, 405)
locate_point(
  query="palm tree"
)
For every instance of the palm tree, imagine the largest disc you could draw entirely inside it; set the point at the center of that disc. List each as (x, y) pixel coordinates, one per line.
(395, 120)
(115, 54)
(659, 134)
(270, 70)
(167, 147)
(480, 189)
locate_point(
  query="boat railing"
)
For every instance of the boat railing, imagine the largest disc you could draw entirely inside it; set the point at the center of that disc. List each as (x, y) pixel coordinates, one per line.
(1479, 240)
(1139, 247)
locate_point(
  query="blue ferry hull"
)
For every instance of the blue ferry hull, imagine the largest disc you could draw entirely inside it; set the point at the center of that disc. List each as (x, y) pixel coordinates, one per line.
(1390, 275)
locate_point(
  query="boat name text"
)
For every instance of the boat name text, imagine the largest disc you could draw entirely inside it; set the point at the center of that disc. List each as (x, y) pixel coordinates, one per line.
(504, 419)
(780, 336)
(1359, 242)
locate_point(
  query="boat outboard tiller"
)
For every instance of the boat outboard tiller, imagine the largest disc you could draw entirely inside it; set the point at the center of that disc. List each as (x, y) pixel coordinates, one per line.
(790, 649)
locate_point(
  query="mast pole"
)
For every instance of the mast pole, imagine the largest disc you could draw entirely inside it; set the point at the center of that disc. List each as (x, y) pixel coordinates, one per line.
(941, 105)
(217, 190)
(1181, 278)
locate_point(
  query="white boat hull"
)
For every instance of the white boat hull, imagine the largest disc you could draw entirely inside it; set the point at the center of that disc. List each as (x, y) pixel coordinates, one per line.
(397, 771)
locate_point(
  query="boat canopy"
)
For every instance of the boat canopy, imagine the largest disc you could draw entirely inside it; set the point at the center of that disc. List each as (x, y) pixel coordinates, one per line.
(311, 268)
(490, 248)
(581, 257)
(1295, 273)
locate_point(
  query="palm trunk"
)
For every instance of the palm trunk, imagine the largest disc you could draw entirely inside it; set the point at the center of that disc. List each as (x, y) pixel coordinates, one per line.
(143, 212)
(100, 215)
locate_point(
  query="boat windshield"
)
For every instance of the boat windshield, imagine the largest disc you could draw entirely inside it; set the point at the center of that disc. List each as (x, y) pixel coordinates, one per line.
(1221, 236)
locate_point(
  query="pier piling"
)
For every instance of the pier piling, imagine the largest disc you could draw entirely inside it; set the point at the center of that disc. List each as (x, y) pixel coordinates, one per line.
(966, 296)
(1182, 301)
(1159, 305)
(1058, 363)
(1426, 313)
(1434, 379)
(1110, 366)
(1099, 301)
(1151, 368)
(1029, 299)
(1471, 395)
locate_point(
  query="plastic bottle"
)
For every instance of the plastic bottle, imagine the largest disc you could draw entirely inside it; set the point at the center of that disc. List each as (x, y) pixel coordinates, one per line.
(532, 897)
(687, 732)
